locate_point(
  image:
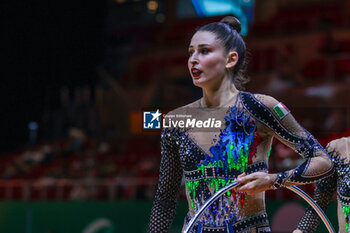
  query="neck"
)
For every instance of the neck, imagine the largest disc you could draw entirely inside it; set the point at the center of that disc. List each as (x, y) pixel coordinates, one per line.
(219, 96)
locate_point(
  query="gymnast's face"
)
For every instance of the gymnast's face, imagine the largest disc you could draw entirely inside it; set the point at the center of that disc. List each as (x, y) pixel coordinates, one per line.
(207, 59)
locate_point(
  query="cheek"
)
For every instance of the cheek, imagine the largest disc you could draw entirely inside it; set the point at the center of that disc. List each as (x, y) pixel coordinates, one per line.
(215, 65)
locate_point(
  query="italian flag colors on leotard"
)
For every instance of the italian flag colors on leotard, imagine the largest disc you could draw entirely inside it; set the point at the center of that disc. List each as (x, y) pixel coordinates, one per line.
(281, 110)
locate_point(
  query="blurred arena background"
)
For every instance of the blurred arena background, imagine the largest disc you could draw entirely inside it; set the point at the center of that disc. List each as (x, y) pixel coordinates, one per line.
(78, 75)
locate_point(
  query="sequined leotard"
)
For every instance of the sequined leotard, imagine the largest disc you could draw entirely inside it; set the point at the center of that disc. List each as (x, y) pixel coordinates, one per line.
(338, 182)
(210, 159)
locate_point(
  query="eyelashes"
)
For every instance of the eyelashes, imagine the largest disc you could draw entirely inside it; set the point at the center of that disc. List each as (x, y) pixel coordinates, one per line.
(203, 51)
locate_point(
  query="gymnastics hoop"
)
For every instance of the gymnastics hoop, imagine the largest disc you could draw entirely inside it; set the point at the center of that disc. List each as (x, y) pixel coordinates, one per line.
(223, 190)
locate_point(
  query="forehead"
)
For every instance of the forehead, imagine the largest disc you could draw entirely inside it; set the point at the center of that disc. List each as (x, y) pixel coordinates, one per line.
(204, 37)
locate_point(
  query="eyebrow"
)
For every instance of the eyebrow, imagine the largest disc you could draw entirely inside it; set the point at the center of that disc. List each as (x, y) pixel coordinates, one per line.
(201, 45)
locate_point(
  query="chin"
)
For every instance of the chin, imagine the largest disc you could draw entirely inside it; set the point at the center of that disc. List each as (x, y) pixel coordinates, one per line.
(202, 82)
(198, 83)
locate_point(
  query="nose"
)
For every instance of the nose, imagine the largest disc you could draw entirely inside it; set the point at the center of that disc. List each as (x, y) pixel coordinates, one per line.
(193, 59)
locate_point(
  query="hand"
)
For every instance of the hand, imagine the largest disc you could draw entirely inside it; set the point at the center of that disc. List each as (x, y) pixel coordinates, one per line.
(297, 231)
(255, 183)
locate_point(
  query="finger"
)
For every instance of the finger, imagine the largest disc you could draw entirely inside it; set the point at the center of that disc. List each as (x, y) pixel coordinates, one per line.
(241, 175)
(237, 186)
(247, 178)
(250, 188)
(239, 178)
(243, 188)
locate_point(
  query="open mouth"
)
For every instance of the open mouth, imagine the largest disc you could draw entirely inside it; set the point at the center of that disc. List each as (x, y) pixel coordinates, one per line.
(195, 72)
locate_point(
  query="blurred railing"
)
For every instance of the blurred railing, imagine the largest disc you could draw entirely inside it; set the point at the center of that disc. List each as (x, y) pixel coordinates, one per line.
(130, 188)
(70, 189)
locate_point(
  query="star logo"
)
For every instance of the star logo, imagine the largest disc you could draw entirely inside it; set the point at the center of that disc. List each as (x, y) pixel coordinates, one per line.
(155, 115)
(151, 120)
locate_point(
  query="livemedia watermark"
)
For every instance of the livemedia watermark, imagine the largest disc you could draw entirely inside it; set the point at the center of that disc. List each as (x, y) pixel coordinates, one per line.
(152, 120)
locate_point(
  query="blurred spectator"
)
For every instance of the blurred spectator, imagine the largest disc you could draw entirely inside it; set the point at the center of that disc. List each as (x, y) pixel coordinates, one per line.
(76, 139)
(328, 44)
(335, 122)
(286, 75)
(79, 192)
(64, 117)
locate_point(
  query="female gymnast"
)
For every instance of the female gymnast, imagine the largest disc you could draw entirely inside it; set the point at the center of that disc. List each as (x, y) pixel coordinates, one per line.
(339, 182)
(213, 157)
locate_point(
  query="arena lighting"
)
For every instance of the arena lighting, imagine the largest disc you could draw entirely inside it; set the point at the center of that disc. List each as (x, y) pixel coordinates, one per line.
(152, 5)
(33, 125)
(242, 9)
(33, 131)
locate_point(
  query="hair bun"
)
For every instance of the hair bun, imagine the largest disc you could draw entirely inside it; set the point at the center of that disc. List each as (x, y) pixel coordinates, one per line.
(233, 22)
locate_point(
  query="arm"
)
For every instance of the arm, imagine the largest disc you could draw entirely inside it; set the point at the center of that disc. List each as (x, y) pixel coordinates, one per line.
(164, 206)
(285, 128)
(323, 195)
(324, 189)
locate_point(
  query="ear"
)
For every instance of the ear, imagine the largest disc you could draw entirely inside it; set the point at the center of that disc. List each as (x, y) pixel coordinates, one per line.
(232, 59)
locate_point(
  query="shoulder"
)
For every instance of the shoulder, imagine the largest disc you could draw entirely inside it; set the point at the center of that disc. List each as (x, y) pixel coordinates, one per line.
(332, 145)
(337, 149)
(262, 102)
(338, 144)
(266, 100)
(273, 114)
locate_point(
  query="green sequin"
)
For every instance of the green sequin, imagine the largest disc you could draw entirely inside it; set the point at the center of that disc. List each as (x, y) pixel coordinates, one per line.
(191, 187)
(215, 183)
(346, 215)
(269, 153)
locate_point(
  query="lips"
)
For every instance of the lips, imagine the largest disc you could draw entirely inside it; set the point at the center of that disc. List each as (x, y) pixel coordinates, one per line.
(195, 72)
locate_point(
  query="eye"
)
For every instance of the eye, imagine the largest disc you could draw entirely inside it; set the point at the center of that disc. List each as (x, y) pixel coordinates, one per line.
(190, 52)
(205, 51)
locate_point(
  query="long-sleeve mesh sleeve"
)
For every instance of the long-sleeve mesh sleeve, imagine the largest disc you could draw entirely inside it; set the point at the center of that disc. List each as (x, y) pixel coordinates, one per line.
(317, 163)
(281, 124)
(164, 206)
(323, 195)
